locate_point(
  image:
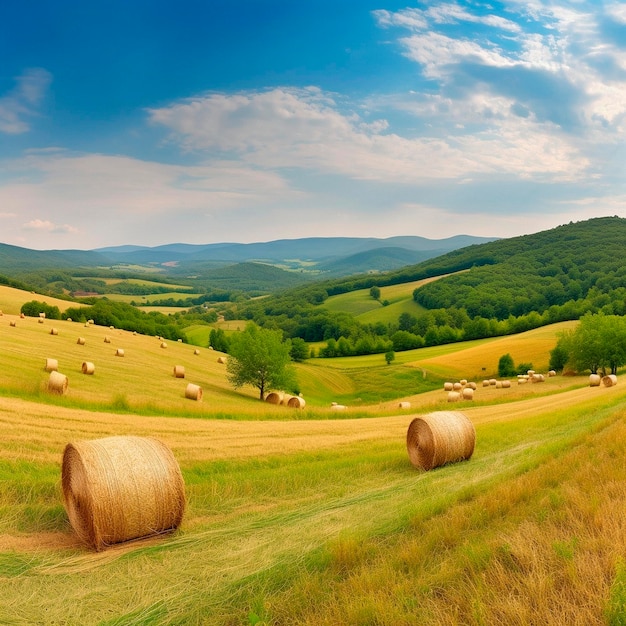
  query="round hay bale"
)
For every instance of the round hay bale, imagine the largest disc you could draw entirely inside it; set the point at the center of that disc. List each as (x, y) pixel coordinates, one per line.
(498, 384)
(448, 386)
(163, 344)
(551, 373)
(42, 315)
(472, 386)
(196, 351)
(454, 396)
(457, 386)
(595, 380)
(41, 320)
(90, 322)
(438, 438)
(119, 352)
(537, 378)
(506, 384)
(463, 382)
(12, 323)
(88, 367)
(54, 331)
(492, 382)
(338, 407)
(193, 392)
(52, 365)
(522, 381)
(468, 393)
(107, 339)
(179, 371)
(286, 398)
(296, 402)
(121, 488)
(86, 324)
(404, 405)
(80, 341)
(274, 397)
(1, 313)
(530, 373)
(610, 380)
(221, 359)
(57, 383)
(486, 383)
(68, 319)
(180, 341)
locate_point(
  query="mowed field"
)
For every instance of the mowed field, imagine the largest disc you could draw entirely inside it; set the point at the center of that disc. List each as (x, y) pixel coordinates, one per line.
(314, 516)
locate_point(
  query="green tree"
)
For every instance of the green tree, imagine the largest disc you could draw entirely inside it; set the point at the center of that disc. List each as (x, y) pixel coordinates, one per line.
(558, 357)
(390, 356)
(259, 357)
(218, 340)
(299, 350)
(506, 366)
(375, 292)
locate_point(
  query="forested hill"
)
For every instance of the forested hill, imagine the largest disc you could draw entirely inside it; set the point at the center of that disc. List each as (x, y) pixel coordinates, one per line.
(534, 272)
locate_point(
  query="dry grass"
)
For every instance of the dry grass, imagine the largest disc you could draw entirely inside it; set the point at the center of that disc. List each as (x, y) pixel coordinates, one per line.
(13, 299)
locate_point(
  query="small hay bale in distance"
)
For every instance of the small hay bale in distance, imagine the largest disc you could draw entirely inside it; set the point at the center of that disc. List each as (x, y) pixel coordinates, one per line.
(448, 386)
(193, 392)
(457, 386)
(57, 383)
(492, 382)
(163, 345)
(52, 365)
(22, 316)
(88, 368)
(221, 359)
(610, 380)
(438, 438)
(595, 380)
(338, 407)
(454, 396)
(119, 352)
(80, 341)
(13, 323)
(41, 320)
(404, 405)
(42, 315)
(551, 373)
(179, 371)
(506, 384)
(107, 339)
(472, 386)
(54, 331)
(196, 351)
(120, 488)
(486, 383)
(468, 393)
(274, 397)
(296, 402)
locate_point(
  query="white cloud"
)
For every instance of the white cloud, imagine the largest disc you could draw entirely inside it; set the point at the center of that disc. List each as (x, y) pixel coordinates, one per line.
(22, 102)
(49, 227)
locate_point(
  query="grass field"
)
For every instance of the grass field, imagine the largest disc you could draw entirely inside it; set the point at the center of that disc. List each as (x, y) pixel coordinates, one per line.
(315, 517)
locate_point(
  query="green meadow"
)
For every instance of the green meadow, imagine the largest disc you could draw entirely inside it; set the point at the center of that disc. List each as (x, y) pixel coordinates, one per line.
(315, 516)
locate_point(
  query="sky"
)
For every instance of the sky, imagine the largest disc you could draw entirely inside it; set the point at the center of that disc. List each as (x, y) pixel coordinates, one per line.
(149, 122)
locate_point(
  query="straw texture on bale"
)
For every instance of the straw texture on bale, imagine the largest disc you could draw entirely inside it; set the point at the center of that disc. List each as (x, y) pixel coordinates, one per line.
(296, 402)
(274, 397)
(404, 405)
(438, 438)
(57, 383)
(193, 392)
(454, 396)
(610, 380)
(80, 341)
(286, 398)
(51, 365)
(121, 488)
(179, 371)
(594, 380)
(119, 352)
(88, 367)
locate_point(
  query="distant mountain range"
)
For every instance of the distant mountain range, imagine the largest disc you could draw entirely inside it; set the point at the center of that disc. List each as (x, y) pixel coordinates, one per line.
(321, 256)
(331, 256)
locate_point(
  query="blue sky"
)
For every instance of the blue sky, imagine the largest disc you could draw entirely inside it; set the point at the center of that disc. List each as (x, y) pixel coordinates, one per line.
(151, 122)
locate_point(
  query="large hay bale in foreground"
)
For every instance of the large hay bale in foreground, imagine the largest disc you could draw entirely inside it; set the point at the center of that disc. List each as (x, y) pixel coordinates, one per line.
(610, 380)
(594, 380)
(193, 392)
(121, 488)
(88, 368)
(179, 371)
(57, 383)
(439, 438)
